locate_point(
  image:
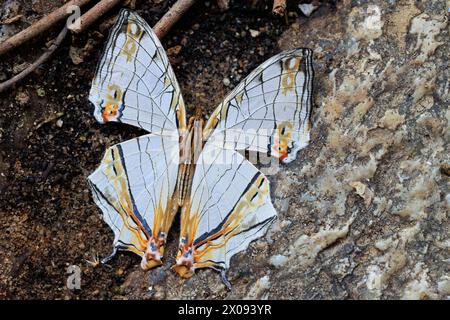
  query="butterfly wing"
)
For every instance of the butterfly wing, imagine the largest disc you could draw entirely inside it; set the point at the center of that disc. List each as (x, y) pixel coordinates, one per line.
(134, 187)
(134, 82)
(229, 207)
(269, 110)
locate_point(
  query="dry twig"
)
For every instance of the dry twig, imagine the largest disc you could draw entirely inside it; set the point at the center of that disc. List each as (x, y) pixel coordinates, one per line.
(37, 63)
(40, 26)
(161, 28)
(12, 20)
(171, 17)
(93, 14)
(279, 7)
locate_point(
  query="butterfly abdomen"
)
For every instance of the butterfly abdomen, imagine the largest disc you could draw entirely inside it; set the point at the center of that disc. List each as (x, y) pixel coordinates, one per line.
(185, 173)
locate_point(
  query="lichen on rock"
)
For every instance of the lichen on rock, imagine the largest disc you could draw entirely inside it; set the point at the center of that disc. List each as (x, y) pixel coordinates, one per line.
(380, 136)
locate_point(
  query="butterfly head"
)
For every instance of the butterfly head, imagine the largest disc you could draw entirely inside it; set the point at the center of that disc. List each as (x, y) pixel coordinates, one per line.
(185, 261)
(153, 254)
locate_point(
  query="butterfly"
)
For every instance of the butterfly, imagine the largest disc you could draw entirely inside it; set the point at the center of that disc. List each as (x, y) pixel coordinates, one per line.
(192, 166)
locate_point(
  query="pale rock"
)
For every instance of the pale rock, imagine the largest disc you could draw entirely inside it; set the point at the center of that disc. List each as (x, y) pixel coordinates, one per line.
(307, 8)
(258, 288)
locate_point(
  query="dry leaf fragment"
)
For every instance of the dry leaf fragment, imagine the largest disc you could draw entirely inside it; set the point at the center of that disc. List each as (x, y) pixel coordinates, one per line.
(12, 20)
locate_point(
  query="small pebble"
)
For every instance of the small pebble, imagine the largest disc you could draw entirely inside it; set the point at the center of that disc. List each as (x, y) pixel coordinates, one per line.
(278, 260)
(307, 8)
(226, 82)
(120, 272)
(254, 33)
(22, 98)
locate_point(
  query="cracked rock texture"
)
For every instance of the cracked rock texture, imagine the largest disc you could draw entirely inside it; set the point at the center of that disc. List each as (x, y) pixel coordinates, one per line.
(368, 202)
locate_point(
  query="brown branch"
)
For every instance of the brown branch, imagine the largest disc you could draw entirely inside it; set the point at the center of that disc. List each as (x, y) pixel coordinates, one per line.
(93, 14)
(37, 63)
(279, 7)
(161, 28)
(40, 26)
(171, 17)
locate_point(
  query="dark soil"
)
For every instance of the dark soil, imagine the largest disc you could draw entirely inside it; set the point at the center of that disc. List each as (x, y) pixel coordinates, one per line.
(50, 143)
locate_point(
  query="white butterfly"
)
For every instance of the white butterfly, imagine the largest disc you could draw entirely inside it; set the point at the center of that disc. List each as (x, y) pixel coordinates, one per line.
(224, 200)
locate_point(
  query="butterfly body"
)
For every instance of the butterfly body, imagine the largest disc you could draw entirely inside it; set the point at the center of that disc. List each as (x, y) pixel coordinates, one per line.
(194, 166)
(191, 145)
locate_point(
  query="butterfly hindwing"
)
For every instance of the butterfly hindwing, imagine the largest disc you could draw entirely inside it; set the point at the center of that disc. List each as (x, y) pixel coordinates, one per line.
(134, 187)
(229, 207)
(269, 110)
(134, 82)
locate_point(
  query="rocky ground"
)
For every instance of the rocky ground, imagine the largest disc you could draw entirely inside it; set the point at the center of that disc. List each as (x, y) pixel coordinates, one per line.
(362, 211)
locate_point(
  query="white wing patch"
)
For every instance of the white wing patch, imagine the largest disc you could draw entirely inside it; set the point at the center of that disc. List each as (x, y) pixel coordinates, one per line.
(268, 111)
(134, 82)
(230, 206)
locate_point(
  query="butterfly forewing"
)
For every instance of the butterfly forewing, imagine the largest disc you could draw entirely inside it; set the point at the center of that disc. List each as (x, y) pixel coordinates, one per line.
(134, 82)
(269, 111)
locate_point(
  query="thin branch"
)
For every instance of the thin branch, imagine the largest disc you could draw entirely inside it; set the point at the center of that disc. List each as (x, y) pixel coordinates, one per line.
(279, 7)
(93, 14)
(161, 28)
(37, 63)
(40, 26)
(171, 17)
